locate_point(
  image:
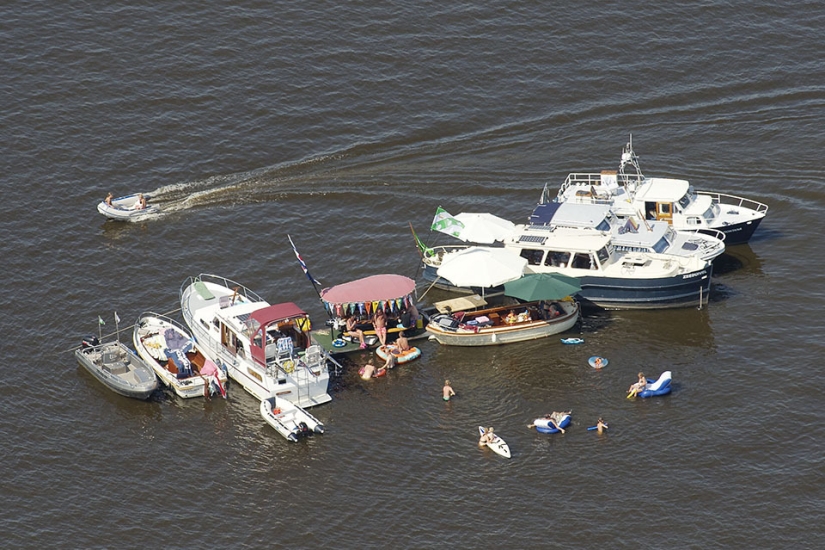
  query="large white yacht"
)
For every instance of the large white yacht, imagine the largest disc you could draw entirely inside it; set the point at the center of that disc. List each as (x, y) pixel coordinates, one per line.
(611, 277)
(674, 201)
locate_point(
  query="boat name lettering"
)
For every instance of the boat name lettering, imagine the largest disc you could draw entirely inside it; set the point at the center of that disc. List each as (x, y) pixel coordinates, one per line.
(692, 275)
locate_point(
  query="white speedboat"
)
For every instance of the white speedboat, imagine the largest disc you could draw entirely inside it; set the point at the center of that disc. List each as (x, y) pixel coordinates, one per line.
(674, 201)
(267, 349)
(117, 367)
(127, 208)
(288, 419)
(175, 357)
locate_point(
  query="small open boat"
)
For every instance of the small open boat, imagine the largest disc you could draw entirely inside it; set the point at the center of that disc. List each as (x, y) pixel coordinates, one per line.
(117, 367)
(176, 358)
(288, 419)
(126, 208)
(489, 327)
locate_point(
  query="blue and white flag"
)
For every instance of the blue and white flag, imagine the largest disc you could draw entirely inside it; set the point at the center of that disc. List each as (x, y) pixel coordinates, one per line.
(446, 223)
(302, 263)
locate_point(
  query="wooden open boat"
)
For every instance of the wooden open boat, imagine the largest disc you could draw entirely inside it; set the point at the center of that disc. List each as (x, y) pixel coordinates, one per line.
(490, 327)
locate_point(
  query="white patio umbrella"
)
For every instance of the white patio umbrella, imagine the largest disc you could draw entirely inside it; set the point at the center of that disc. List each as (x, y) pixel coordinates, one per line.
(484, 228)
(479, 266)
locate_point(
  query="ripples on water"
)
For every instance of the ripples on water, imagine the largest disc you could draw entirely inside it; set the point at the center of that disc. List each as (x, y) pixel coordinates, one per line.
(341, 124)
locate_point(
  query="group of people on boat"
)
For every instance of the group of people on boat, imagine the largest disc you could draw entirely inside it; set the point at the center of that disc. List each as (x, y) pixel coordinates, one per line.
(355, 327)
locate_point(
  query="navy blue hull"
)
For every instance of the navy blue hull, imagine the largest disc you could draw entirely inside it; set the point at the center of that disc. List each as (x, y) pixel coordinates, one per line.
(739, 233)
(687, 290)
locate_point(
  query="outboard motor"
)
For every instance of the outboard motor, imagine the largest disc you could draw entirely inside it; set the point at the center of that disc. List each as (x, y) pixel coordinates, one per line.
(88, 343)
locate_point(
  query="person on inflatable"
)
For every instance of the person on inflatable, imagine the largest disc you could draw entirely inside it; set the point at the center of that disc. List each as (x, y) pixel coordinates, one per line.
(552, 420)
(639, 386)
(401, 343)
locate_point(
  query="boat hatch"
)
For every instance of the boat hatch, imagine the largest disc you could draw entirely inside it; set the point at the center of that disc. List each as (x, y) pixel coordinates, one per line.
(536, 239)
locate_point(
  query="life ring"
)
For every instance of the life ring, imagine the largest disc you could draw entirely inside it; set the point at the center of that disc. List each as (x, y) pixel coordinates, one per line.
(289, 366)
(400, 356)
(338, 343)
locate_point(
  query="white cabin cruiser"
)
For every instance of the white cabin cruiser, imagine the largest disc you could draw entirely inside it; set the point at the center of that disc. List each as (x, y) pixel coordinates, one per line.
(267, 349)
(674, 201)
(611, 278)
(631, 234)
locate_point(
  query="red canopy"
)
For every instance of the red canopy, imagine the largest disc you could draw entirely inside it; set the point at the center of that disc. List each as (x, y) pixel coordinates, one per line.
(278, 312)
(369, 289)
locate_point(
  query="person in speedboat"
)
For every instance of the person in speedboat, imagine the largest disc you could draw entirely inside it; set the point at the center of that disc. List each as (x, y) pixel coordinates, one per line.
(141, 202)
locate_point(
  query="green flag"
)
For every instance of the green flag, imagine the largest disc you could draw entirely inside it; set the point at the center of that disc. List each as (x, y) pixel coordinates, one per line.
(445, 223)
(100, 320)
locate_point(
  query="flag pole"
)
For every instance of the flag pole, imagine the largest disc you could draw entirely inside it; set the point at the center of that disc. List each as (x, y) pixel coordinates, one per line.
(304, 268)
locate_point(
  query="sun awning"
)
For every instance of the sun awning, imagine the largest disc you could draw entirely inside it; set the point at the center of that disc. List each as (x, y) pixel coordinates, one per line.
(364, 295)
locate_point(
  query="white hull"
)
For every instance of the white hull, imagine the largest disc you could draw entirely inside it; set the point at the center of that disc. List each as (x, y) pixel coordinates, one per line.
(288, 419)
(123, 209)
(150, 343)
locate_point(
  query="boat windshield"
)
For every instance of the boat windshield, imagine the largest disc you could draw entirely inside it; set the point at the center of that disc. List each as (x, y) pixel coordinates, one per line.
(661, 245)
(687, 198)
(603, 254)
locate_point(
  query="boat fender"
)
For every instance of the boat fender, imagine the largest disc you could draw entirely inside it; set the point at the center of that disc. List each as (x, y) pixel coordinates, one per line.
(289, 366)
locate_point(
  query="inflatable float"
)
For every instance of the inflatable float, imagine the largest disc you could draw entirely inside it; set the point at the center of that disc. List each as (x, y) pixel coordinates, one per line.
(543, 426)
(400, 356)
(597, 362)
(572, 341)
(657, 387)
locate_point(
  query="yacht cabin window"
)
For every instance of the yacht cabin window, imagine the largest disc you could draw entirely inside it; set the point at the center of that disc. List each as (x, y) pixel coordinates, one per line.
(557, 259)
(582, 260)
(532, 256)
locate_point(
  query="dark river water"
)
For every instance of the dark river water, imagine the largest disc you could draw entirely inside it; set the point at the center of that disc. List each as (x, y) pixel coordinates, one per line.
(340, 124)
